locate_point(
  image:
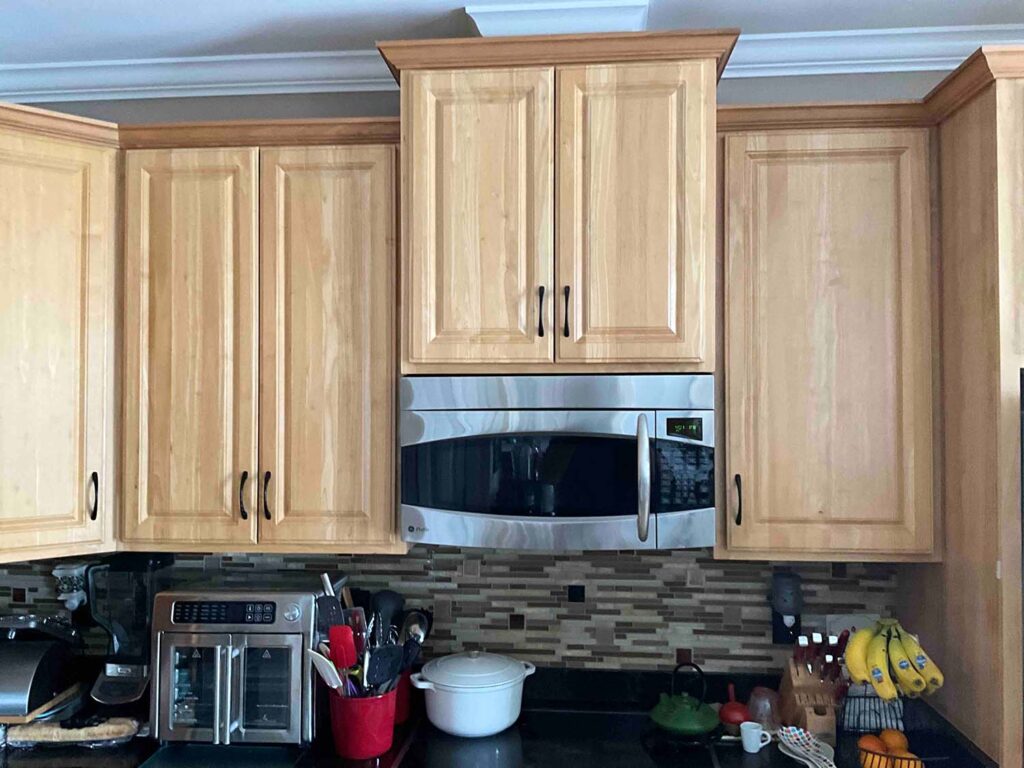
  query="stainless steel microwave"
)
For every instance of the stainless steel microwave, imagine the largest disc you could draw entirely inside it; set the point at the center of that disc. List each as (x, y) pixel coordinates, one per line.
(558, 463)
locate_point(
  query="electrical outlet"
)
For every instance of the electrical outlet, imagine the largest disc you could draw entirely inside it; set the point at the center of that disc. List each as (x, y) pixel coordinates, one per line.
(837, 622)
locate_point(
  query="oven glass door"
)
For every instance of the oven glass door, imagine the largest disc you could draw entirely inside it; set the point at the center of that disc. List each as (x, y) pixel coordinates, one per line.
(267, 699)
(526, 479)
(193, 686)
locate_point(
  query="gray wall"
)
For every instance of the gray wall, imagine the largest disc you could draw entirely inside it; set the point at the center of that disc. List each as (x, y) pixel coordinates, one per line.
(762, 90)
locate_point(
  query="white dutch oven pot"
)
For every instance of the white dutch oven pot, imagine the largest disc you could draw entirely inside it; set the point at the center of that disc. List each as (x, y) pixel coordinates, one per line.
(473, 694)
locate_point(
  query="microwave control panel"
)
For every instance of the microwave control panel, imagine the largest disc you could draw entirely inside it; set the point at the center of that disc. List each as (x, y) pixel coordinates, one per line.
(224, 612)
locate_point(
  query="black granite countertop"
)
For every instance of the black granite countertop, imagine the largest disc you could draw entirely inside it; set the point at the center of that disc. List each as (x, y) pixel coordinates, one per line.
(570, 719)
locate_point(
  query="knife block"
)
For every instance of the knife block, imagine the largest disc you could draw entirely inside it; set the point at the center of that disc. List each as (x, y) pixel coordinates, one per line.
(808, 703)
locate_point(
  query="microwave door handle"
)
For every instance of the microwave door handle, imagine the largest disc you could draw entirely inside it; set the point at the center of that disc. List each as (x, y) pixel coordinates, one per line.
(217, 691)
(643, 472)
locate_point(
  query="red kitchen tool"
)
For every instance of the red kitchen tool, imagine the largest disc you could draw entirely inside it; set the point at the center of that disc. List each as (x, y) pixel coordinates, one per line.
(343, 648)
(732, 712)
(844, 638)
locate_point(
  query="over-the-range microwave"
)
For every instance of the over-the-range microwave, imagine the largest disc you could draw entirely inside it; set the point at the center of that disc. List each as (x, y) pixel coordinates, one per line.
(558, 463)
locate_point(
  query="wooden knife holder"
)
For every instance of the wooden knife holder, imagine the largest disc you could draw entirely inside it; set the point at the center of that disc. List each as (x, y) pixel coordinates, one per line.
(809, 703)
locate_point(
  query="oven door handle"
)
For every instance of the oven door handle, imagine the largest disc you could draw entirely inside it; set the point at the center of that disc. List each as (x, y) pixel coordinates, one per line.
(228, 692)
(218, 691)
(643, 473)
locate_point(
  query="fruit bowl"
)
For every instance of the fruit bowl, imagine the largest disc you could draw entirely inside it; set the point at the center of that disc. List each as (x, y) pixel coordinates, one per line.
(870, 759)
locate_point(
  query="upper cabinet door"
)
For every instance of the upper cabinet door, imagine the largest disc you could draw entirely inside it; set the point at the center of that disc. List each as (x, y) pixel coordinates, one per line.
(636, 213)
(190, 346)
(477, 216)
(829, 350)
(57, 301)
(327, 347)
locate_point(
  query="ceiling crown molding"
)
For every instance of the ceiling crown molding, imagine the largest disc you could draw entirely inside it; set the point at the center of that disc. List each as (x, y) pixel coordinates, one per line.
(242, 75)
(863, 51)
(775, 55)
(559, 17)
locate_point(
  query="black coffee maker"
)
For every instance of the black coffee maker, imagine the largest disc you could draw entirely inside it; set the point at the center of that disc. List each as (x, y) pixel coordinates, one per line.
(121, 591)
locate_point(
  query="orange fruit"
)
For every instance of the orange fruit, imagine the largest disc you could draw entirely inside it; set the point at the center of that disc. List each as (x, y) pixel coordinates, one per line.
(894, 740)
(903, 759)
(872, 743)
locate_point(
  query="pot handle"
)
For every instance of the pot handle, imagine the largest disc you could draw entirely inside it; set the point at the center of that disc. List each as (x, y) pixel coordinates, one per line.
(418, 682)
(528, 668)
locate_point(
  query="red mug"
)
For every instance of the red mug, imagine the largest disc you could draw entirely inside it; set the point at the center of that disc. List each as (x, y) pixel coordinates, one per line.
(363, 727)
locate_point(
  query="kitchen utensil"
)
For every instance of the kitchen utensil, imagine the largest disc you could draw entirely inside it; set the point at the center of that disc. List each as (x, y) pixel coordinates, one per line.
(733, 713)
(473, 694)
(356, 618)
(328, 587)
(844, 638)
(811, 763)
(324, 648)
(410, 652)
(327, 671)
(807, 746)
(364, 680)
(343, 647)
(763, 706)
(346, 599)
(414, 626)
(754, 737)
(385, 667)
(328, 613)
(388, 605)
(682, 713)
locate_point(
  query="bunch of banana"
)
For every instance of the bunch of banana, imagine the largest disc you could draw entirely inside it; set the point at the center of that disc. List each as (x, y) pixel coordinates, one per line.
(892, 660)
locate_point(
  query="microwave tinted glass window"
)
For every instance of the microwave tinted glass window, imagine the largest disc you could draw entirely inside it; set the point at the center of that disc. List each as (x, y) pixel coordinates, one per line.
(268, 680)
(532, 475)
(684, 476)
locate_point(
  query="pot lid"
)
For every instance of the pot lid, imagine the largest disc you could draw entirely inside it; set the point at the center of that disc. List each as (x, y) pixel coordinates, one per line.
(475, 669)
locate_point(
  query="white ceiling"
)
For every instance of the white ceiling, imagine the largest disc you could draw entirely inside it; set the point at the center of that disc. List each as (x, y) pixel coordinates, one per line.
(81, 49)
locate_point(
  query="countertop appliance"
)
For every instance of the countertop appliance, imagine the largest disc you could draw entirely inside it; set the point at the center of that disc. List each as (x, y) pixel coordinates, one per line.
(230, 668)
(37, 666)
(121, 591)
(558, 463)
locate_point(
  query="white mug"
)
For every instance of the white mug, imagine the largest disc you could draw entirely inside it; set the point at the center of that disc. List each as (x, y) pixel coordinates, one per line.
(754, 737)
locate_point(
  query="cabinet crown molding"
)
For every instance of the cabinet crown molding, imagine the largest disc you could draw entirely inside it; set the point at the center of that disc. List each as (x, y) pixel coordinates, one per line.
(551, 50)
(262, 133)
(42, 122)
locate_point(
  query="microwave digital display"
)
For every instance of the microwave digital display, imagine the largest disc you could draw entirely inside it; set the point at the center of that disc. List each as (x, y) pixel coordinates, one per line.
(688, 427)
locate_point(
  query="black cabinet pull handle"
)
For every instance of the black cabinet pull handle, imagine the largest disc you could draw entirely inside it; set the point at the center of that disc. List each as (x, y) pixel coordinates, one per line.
(540, 312)
(266, 506)
(94, 483)
(739, 497)
(241, 495)
(565, 328)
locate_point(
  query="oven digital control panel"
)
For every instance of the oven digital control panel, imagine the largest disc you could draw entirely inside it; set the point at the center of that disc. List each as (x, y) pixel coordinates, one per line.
(224, 612)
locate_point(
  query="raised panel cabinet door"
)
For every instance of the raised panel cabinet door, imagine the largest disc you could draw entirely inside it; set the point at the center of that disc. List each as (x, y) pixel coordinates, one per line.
(477, 149)
(636, 213)
(190, 342)
(829, 349)
(57, 304)
(327, 374)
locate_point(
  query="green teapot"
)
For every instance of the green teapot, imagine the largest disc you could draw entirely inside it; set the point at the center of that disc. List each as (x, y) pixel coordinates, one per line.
(683, 714)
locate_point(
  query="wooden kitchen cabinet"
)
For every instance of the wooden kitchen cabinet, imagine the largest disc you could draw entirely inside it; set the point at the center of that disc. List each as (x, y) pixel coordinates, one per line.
(327, 358)
(609, 269)
(635, 213)
(478, 237)
(58, 239)
(190, 307)
(828, 345)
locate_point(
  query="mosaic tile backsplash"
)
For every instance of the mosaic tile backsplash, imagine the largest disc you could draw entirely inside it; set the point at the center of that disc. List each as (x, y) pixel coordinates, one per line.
(638, 609)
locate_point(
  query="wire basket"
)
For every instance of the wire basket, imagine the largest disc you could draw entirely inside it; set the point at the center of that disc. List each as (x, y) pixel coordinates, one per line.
(864, 712)
(869, 759)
